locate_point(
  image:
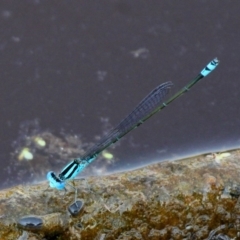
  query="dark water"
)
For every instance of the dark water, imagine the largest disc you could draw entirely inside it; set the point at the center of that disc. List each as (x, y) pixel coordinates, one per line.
(72, 64)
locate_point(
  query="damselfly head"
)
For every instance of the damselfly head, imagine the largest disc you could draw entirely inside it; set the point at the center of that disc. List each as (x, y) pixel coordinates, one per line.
(54, 181)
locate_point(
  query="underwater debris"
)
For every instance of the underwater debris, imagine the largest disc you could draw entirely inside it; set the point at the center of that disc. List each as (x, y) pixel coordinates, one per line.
(220, 236)
(25, 154)
(234, 191)
(101, 75)
(140, 53)
(102, 236)
(219, 156)
(24, 236)
(40, 142)
(213, 232)
(107, 155)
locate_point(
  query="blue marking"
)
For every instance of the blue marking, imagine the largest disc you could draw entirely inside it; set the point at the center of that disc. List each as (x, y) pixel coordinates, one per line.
(210, 67)
(55, 182)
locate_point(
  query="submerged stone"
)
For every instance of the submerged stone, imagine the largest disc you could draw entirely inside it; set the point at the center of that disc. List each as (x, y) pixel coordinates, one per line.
(75, 208)
(30, 223)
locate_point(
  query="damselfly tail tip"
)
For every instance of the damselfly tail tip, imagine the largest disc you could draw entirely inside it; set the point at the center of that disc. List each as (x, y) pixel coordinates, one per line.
(216, 60)
(210, 67)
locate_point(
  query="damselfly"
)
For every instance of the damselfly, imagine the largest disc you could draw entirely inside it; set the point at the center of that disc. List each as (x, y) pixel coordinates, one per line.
(150, 105)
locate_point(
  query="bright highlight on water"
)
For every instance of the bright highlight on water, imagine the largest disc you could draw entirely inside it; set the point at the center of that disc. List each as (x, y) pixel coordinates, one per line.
(150, 105)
